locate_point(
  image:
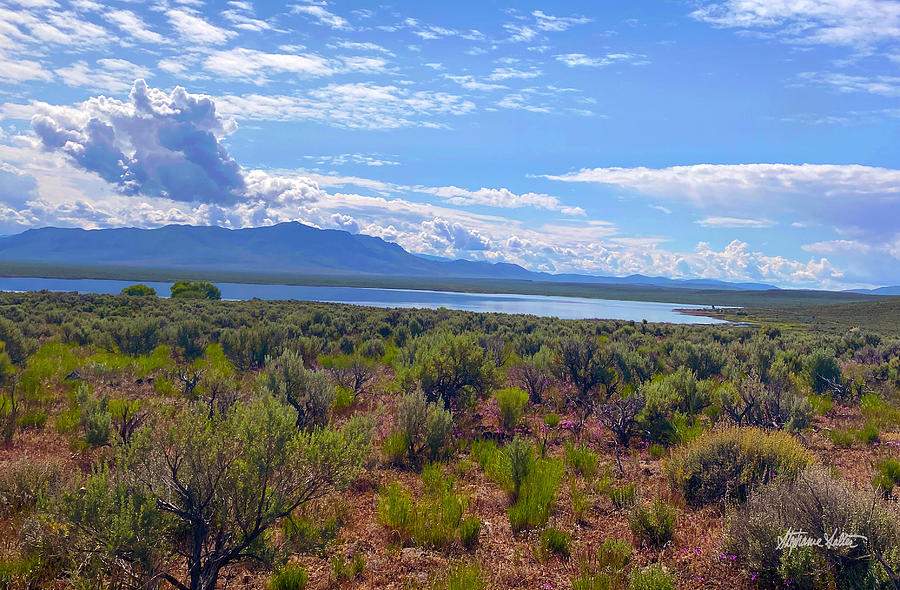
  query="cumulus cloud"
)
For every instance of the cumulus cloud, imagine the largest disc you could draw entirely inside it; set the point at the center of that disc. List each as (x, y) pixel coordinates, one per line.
(452, 237)
(859, 202)
(155, 144)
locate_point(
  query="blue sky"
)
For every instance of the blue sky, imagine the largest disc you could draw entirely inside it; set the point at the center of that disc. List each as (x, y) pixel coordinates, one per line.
(737, 139)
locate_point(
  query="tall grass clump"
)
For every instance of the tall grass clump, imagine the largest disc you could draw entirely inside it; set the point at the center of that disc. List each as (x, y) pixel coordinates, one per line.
(582, 460)
(461, 577)
(728, 464)
(433, 521)
(511, 402)
(537, 495)
(290, 577)
(652, 577)
(653, 524)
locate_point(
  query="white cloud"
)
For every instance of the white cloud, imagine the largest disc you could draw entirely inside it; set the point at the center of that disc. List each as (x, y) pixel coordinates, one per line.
(363, 159)
(471, 83)
(499, 197)
(133, 25)
(362, 46)
(854, 23)
(321, 16)
(579, 59)
(735, 222)
(115, 76)
(193, 29)
(250, 64)
(720, 183)
(513, 73)
(520, 102)
(15, 70)
(525, 29)
(882, 85)
(356, 106)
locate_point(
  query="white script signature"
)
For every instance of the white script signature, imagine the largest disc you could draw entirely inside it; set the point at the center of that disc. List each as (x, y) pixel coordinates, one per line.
(793, 539)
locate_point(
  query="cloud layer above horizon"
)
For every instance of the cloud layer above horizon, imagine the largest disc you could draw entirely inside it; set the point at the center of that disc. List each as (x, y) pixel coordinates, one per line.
(533, 137)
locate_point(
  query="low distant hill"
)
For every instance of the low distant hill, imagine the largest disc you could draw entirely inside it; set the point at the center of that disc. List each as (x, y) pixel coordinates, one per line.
(290, 248)
(889, 291)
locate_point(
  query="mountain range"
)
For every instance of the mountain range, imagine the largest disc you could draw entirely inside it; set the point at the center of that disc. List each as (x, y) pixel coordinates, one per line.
(286, 248)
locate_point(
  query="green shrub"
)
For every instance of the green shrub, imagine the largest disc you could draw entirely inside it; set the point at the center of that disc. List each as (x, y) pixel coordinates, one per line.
(728, 464)
(511, 402)
(842, 439)
(469, 531)
(32, 419)
(557, 542)
(195, 290)
(68, 421)
(623, 496)
(868, 434)
(819, 504)
(537, 495)
(822, 369)
(23, 481)
(95, 419)
(821, 404)
(887, 475)
(461, 577)
(657, 451)
(290, 577)
(652, 577)
(139, 290)
(313, 531)
(308, 392)
(424, 427)
(654, 524)
(343, 398)
(452, 368)
(583, 460)
(135, 337)
(394, 448)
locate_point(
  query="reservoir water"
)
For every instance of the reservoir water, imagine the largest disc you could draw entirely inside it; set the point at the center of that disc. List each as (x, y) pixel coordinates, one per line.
(541, 305)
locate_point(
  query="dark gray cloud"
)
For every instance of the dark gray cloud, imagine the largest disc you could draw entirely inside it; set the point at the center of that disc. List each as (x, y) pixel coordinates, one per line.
(156, 144)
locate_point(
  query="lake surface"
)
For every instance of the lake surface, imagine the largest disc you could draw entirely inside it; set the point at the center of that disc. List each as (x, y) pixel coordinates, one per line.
(541, 305)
